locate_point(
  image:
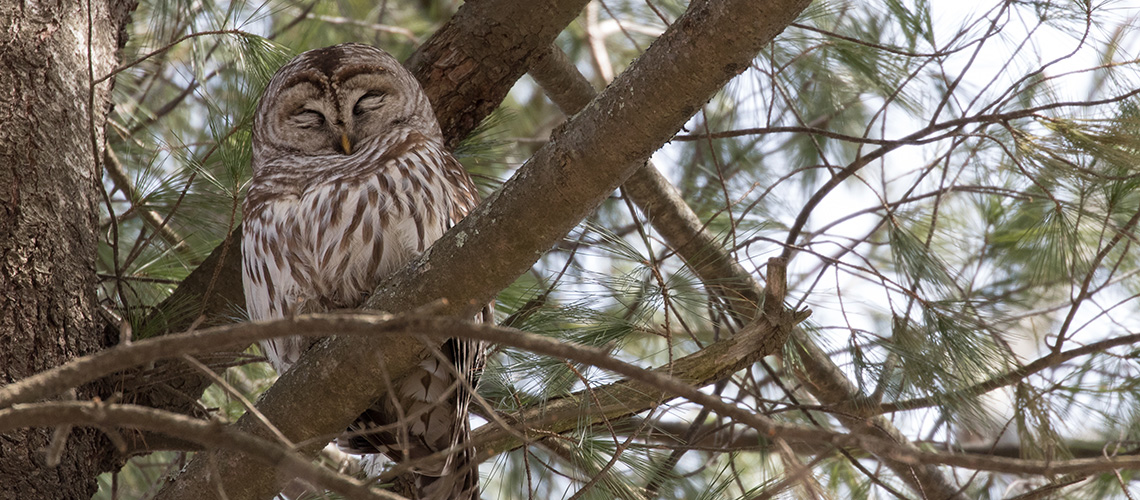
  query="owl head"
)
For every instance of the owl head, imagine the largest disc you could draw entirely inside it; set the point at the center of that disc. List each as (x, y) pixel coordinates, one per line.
(330, 101)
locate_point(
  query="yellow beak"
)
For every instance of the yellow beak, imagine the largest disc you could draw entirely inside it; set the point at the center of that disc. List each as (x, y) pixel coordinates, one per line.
(344, 142)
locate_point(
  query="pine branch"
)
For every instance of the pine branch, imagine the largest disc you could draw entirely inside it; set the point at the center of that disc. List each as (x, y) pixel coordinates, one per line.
(1051, 360)
(504, 236)
(379, 329)
(714, 437)
(154, 220)
(622, 399)
(683, 230)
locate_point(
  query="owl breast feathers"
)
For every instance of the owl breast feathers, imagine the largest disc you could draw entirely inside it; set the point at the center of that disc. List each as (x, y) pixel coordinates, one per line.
(350, 182)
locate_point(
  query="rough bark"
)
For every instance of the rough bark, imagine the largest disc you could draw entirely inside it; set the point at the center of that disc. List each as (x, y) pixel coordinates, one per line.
(51, 138)
(471, 63)
(583, 163)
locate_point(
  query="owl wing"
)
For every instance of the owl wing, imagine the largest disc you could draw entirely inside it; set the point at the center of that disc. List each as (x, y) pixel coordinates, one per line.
(430, 409)
(269, 275)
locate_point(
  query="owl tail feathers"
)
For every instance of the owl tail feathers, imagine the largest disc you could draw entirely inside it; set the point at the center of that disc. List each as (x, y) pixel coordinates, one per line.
(427, 416)
(462, 484)
(456, 478)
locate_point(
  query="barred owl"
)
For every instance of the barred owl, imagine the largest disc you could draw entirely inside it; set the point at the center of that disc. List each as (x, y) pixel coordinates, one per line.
(350, 181)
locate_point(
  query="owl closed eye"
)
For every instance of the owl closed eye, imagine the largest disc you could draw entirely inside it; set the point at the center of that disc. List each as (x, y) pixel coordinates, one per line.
(307, 118)
(368, 103)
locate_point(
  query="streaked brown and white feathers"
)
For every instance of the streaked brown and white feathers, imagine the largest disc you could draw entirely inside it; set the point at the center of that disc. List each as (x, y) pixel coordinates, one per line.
(350, 182)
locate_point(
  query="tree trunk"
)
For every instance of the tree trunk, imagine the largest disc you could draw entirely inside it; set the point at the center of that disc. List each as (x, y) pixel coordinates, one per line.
(50, 141)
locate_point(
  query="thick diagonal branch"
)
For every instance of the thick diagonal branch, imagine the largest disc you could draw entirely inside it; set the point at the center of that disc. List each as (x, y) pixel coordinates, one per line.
(683, 230)
(589, 158)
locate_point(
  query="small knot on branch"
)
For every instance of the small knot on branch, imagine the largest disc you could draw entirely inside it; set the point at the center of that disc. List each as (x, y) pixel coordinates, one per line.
(776, 287)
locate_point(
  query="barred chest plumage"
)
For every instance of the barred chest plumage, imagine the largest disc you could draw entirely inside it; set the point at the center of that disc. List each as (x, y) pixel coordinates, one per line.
(322, 236)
